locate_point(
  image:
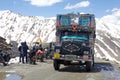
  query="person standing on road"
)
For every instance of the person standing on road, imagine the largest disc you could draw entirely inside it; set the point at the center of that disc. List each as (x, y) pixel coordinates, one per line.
(24, 49)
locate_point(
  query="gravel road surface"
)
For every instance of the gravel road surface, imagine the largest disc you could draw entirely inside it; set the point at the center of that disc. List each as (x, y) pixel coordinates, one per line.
(103, 70)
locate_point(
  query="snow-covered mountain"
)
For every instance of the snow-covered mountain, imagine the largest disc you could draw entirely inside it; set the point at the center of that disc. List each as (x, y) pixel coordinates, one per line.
(16, 27)
(20, 28)
(107, 40)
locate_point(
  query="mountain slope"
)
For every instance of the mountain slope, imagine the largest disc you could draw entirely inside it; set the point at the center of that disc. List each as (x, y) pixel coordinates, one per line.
(107, 40)
(26, 28)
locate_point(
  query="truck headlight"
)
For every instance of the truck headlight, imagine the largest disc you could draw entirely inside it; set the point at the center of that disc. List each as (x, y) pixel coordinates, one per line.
(85, 52)
(62, 56)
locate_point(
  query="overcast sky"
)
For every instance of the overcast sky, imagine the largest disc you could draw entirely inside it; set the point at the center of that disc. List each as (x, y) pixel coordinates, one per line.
(49, 8)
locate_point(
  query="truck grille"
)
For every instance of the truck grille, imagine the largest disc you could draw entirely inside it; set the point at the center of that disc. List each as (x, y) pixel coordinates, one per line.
(71, 48)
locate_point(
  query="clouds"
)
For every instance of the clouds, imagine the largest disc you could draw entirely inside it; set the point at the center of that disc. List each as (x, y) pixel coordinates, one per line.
(113, 18)
(116, 12)
(42, 3)
(78, 5)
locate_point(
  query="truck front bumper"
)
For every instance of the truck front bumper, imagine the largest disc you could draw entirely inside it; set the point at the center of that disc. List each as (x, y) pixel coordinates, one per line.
(73, 58)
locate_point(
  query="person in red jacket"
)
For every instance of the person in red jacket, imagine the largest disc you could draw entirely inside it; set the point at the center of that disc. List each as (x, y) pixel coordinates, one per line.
(40, 54)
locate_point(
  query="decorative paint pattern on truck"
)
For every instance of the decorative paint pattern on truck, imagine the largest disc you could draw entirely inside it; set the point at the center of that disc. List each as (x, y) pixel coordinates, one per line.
(81, 21)
(75, 38)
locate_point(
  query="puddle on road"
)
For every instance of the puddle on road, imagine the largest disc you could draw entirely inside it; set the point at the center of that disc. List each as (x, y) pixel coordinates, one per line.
(13, 77)
(6, 76)
(111, 75)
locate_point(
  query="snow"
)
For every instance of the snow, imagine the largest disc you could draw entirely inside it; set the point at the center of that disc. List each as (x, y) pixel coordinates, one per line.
(105, 53)
(21, 27)
(116, 43)
(14, 60)
(109, 48)
(97, 54)
(112, 29)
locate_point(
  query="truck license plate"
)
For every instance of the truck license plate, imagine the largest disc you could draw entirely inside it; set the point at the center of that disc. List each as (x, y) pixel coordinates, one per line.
(70, 57)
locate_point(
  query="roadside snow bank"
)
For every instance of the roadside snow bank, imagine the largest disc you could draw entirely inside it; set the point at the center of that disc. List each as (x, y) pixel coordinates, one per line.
(14, 60)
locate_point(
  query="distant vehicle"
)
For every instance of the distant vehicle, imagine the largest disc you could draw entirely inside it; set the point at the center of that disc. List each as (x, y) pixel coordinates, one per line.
(49, 50)
(75, 38)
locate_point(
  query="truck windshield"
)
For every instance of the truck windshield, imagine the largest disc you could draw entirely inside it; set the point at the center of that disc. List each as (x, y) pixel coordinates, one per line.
(63, 20)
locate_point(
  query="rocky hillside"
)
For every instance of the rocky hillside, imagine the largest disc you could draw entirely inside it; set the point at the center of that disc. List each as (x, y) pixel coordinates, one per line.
(16, 27)
(4, 46)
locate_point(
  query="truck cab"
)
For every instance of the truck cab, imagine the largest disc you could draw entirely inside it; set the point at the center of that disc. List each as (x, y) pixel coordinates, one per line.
(75, 38)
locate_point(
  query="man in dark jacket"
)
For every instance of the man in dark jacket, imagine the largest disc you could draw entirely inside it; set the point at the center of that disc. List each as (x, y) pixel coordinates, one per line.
(32, 54)
(24, 49)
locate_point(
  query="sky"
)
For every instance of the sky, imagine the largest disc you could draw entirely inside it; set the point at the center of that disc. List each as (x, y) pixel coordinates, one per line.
(50, 8)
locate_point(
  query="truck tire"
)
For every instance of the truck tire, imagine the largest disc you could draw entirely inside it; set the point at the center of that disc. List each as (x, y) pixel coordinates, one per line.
(93, 58)
(89, 66)
(93, 61)
(56, 65)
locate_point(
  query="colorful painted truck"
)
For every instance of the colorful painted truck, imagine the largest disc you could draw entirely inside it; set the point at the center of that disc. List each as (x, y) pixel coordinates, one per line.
(75, 38)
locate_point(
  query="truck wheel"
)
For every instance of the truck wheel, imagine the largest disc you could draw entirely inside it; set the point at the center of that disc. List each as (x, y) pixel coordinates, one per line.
(56, 65)
(88, 66)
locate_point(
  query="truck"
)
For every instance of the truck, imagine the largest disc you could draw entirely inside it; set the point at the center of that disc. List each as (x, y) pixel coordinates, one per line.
(75, 39)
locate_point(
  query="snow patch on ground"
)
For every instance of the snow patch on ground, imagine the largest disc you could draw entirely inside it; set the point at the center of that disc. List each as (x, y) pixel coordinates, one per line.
(14, 60)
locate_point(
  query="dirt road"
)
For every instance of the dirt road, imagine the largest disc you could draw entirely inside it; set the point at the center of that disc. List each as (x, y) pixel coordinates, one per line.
(103, 70)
